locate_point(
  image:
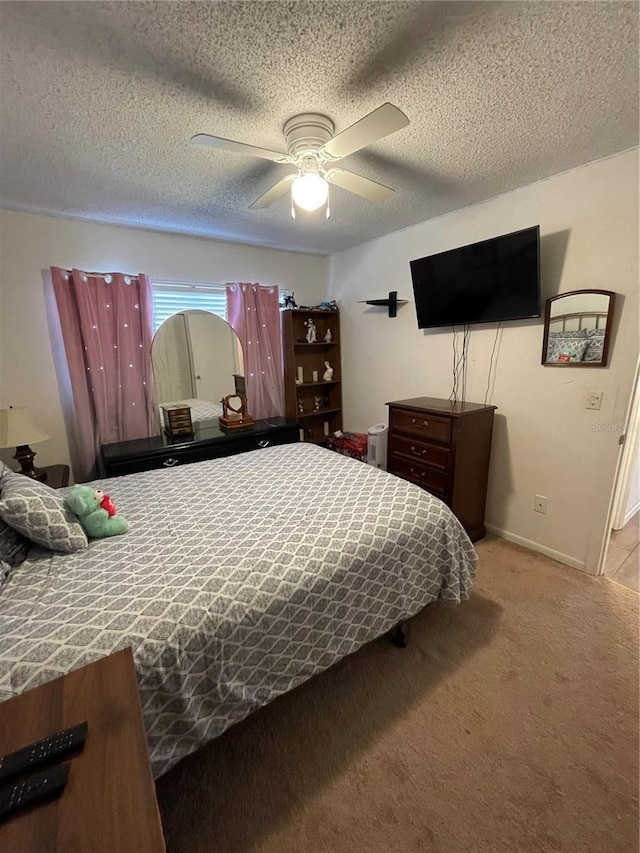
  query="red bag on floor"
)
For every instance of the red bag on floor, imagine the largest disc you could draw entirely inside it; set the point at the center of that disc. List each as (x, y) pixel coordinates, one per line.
(352, 444)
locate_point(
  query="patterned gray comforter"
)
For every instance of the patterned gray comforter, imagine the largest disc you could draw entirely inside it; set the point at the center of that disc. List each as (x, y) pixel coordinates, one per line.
(240, 579)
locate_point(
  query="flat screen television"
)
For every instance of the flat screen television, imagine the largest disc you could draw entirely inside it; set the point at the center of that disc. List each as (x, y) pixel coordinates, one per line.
(485, 282)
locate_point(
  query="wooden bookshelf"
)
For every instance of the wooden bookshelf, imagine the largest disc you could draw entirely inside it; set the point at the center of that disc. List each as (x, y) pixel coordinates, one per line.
(297, 353)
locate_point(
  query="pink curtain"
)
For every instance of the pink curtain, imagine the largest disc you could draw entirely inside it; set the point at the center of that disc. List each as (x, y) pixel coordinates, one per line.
(254, 313)
(106, 323)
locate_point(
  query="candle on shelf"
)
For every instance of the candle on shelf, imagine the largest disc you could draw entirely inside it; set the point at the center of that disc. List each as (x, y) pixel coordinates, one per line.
(325, 427)
(315, 375)
(300, 375)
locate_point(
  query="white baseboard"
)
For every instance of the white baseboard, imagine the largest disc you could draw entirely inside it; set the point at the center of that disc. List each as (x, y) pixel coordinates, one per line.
(626, 518)
(535, 546)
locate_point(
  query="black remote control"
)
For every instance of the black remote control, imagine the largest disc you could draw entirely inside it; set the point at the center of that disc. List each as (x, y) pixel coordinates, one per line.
(43, 751)
(47, 783)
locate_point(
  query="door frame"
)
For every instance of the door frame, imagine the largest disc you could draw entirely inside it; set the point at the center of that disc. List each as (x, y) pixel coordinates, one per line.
(624, 467)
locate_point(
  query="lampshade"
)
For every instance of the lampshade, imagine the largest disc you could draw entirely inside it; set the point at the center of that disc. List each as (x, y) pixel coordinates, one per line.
(17, 427)
(310, 191)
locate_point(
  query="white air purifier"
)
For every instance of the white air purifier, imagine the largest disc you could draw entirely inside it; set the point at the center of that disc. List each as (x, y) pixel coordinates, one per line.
(377, 445)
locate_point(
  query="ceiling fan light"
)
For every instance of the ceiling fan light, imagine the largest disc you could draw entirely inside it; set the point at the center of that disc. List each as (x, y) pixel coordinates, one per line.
(310, 191)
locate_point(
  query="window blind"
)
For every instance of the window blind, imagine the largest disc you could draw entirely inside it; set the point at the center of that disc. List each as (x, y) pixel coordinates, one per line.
(170, 298)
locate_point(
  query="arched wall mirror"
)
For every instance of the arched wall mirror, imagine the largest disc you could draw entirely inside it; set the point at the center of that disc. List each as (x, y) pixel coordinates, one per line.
(577, 329)
(197, 360)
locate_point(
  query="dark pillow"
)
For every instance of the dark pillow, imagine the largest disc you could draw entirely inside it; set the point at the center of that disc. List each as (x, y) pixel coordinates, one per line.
(13, 546)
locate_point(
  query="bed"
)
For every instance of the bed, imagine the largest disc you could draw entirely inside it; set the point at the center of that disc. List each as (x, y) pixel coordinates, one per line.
(577, 336)
(240, 578)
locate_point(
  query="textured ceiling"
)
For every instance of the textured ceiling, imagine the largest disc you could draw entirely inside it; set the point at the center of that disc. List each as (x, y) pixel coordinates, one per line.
(99, 100)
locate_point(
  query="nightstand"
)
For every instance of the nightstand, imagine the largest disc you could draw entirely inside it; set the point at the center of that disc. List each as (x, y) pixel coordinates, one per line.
(109, 803)
(57, 476)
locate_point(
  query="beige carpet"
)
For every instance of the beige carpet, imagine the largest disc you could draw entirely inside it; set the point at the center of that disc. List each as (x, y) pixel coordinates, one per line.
(509, 724)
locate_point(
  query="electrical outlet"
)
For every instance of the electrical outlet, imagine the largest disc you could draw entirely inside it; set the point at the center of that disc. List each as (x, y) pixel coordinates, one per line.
(540, 504)
(594, 399)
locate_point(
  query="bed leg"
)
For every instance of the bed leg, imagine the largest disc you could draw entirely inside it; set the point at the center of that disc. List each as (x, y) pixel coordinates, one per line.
(398, 635)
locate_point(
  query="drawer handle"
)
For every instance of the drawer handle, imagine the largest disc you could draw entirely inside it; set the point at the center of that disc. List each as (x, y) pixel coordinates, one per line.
(170, 462)
(418, 452)
(423, 424)
(417, 473)
(264, 443)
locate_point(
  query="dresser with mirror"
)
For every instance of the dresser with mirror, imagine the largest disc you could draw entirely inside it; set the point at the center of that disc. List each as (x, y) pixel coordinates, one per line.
(197, 360)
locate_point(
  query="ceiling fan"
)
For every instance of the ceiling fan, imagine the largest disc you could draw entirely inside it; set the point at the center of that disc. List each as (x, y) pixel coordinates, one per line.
(313, 149)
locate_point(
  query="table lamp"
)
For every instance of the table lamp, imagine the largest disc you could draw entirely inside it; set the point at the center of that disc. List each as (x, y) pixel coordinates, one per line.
(18, 430)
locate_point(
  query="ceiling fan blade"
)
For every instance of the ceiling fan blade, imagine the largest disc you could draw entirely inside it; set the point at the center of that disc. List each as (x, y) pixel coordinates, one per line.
(378, 124)
(273, 194)
(359, 185)
(240, 148)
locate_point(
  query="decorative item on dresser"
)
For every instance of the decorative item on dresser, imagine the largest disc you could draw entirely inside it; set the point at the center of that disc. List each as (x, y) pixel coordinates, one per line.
(177, 419)
(209, 441)
(235, 413)
(239, 384)
(445, 448)
(304, 360)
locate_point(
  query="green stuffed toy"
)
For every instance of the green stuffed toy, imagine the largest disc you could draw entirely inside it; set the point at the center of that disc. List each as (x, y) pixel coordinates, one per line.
(96, 512)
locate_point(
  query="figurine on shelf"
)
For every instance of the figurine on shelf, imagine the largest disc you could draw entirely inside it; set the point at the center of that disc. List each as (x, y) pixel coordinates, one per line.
(328, 337)
(289, 301)
(328, 373)
(311, 331)
(300, 406)
(317, 404)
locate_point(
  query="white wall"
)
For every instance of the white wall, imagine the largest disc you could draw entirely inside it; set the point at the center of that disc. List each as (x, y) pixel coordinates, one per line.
(31, 244)
(544, 441)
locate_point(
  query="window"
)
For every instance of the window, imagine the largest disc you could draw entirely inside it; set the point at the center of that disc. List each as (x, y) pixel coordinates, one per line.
(170, 297)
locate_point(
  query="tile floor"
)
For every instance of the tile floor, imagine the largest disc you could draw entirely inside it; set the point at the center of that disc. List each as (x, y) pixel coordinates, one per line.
(623, 556)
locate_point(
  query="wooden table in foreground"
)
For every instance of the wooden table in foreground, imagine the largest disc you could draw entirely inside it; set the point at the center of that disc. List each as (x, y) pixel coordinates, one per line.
(109, 803)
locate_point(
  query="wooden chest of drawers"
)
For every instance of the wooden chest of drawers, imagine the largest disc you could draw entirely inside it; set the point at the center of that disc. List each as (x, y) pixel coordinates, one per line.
(177, 420)
(445, 448)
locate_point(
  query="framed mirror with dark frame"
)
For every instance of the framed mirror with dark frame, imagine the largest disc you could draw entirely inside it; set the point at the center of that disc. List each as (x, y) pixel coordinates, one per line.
(577, 329)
